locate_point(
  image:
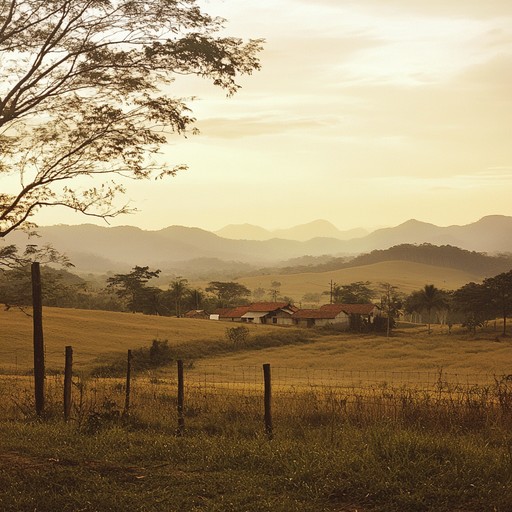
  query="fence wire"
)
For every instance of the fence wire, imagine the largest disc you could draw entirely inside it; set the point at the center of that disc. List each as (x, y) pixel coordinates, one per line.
(228, 397)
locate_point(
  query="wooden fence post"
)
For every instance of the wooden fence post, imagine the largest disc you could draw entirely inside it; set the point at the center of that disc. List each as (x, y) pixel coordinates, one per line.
(37, 314)
(68, 375)
(268, 401)
(128, 382)
(181, 394)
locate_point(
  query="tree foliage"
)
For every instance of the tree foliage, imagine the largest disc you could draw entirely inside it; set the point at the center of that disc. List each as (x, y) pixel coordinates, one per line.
(358, 292)
(86, 92)
(132, 289)
(499, 288)
(228, 293)
(428, 299)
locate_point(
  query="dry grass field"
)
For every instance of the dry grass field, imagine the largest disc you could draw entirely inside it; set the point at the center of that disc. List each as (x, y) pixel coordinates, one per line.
(407, 276)
(96, 335)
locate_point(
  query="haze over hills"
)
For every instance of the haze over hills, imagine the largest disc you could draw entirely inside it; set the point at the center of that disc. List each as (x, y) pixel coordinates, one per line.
(98, 249)
(303, 232)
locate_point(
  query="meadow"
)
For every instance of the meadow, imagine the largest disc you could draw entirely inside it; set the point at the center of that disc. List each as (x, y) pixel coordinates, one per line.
(415, 422)
(406, 276)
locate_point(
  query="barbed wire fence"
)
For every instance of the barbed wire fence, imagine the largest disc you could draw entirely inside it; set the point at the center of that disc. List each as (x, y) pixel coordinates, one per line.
(215, 398)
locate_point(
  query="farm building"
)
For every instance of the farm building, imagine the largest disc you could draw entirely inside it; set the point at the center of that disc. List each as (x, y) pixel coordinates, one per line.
(277, 313)
(335, 314)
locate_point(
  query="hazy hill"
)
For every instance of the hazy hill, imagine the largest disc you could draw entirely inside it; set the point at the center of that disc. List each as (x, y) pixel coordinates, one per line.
(98, 249)
(489, 234)
(303, 232)
(437, 255)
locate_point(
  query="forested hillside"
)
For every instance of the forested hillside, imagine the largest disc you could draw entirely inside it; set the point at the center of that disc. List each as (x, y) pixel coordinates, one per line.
(440, 256)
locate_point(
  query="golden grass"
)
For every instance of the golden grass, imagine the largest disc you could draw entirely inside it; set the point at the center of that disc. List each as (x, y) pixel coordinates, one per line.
(98, 334)
(94, 334)
(407, 276)
(407, 351)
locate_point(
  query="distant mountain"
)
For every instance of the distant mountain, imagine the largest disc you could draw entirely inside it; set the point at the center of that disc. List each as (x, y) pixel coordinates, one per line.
(490, 234)
(244, 232)
(302, 232)
(98, 249)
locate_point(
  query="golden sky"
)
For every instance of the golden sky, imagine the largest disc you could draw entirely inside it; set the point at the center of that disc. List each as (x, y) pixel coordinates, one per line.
(365, 113)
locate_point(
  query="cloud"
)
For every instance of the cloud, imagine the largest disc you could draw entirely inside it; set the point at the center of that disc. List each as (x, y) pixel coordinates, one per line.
(234, 128)
(452, 8)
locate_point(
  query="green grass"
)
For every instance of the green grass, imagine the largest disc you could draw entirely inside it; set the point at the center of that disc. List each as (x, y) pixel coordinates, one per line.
(47, 467)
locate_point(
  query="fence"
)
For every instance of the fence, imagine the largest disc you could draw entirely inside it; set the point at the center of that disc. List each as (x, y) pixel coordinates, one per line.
(264, 398)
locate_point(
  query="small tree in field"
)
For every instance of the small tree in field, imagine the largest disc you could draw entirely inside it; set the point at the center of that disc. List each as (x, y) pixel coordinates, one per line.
(86, 96)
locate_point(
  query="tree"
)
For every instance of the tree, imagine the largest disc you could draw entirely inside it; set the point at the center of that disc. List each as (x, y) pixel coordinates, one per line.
(258, 293)
(475, 302)
(132, 289)
(358, 292)
(500, 290)
(86, 93)
(178, 289)
(275, 287)
(427, 299)
(391, 302)
(228, 293)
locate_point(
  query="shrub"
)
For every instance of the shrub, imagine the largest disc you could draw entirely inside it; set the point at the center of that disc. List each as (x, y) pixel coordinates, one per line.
(237, 335)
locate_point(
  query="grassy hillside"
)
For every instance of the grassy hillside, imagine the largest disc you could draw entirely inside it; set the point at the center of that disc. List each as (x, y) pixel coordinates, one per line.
(96, 336)
(407, 276)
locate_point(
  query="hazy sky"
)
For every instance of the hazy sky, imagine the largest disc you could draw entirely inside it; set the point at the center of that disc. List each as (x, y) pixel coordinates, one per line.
(365, 113)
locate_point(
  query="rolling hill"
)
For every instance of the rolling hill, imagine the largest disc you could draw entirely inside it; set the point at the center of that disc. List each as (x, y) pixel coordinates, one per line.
(100, 249)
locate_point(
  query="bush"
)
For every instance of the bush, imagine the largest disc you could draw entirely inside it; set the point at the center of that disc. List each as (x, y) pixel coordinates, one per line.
(237, 335)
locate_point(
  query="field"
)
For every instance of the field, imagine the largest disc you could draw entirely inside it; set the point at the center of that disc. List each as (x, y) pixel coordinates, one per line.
(97, 335)
(353, 430)
(407, 276)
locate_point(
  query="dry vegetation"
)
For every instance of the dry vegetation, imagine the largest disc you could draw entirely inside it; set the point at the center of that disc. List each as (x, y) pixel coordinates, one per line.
(95, 334)
(379, 448)
(407, 276)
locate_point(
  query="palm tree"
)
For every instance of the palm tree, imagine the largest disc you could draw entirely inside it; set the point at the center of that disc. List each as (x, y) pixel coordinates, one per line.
(178, 287)
(428, 299)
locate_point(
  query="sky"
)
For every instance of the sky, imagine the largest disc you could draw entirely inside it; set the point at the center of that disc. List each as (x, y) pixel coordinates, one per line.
(365, 113)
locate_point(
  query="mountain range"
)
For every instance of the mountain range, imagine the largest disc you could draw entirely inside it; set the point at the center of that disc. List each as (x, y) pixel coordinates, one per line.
(99, 249)
(302, 233)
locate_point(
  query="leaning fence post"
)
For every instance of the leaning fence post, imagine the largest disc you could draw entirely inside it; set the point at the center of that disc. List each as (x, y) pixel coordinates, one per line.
(181, 395)
(268, 401)
(128, 383)
(68, 375)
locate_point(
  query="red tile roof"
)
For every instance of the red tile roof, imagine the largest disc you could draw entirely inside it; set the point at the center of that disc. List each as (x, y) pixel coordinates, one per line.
(317, 313)
(263, 307)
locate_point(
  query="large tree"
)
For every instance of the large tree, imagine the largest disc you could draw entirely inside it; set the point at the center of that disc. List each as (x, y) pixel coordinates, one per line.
(474, 301)
(86, 92)
(500, 290)
(358, 292)
(132, 289)
(228, 293)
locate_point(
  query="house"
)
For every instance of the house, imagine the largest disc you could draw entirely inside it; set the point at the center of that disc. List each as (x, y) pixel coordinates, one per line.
(339, 314)
(276, 313)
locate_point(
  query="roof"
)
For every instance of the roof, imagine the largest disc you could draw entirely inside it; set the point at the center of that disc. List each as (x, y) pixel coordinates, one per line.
(253, 314)
(267, 307)
(328, 311)
(317, 313)
(255, 307)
